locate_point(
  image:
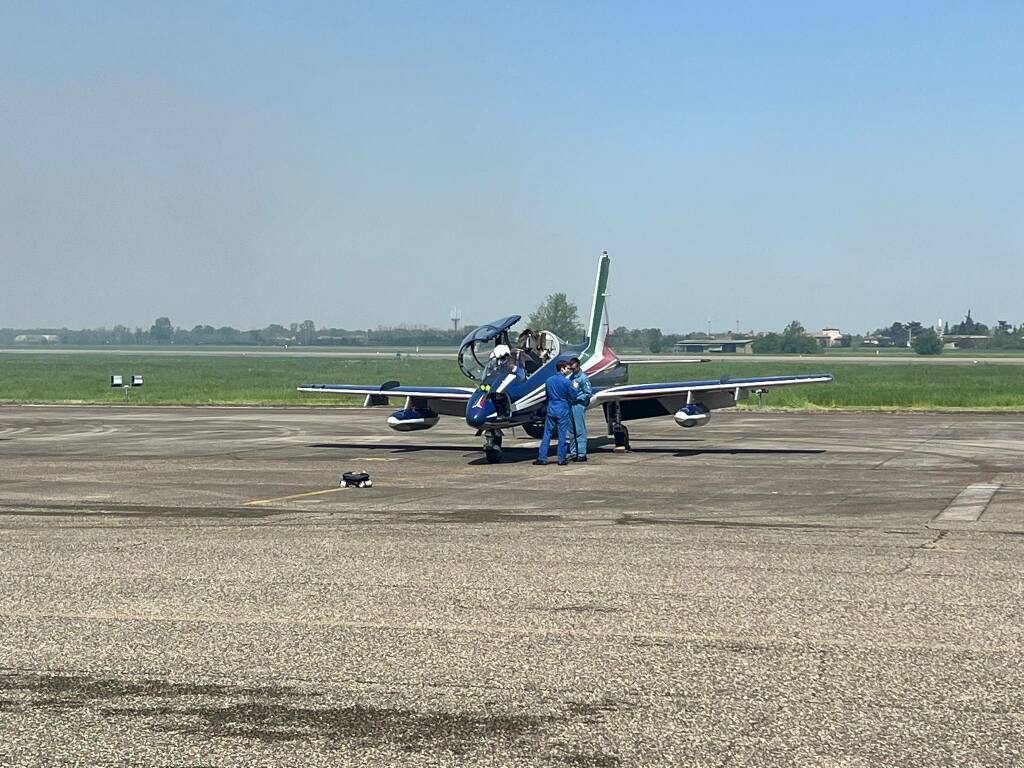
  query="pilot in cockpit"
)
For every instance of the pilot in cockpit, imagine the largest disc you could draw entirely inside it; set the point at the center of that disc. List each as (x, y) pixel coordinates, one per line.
(507, 360)
(527, 344)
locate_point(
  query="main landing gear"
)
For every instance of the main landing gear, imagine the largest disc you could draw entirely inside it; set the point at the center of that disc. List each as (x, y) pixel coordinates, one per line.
(536, 431)
(492, 445)
(616, 429)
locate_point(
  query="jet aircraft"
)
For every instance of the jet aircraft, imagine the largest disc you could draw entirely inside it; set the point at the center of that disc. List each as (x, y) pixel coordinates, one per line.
(509, 376)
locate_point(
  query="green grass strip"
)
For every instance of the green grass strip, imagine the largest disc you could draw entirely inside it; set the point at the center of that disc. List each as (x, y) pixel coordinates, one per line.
(271, 380)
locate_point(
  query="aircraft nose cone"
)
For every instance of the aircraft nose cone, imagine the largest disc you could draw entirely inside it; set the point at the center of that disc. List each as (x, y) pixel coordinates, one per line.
(478, 409)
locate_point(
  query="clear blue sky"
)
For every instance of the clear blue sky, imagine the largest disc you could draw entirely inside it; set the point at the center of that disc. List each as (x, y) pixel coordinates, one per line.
(365, 164)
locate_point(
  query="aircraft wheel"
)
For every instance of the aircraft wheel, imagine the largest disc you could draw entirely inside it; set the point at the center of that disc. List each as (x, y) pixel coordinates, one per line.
(493, 455)
(621, 437)
(536, 431)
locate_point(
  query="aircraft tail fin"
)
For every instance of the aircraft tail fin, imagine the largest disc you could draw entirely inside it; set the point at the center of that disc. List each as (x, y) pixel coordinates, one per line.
(597, 329)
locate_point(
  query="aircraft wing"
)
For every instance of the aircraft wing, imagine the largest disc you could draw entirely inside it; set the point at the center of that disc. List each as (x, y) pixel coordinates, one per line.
(454, 394)
(662, 359)
(725, 385)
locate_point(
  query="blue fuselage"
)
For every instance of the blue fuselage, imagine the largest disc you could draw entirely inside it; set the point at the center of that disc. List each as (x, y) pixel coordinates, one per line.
(505, 400)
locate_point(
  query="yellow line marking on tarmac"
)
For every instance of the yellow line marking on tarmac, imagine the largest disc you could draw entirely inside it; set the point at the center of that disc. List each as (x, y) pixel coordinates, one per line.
(295, 496)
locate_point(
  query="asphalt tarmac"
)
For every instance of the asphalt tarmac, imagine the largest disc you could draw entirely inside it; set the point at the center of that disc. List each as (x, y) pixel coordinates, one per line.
(188, 587)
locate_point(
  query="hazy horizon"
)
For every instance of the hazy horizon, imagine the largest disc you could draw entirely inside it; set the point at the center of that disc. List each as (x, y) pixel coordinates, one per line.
(371, 166)
(473, 322)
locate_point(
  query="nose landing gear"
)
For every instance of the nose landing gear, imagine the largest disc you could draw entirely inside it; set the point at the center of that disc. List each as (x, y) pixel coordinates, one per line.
(492, 445)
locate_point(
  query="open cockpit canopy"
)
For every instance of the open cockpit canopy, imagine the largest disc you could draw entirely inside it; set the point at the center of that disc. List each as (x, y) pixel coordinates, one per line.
(476, 347)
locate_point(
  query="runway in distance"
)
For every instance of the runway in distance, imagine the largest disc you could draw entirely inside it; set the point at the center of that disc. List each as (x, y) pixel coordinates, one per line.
(509, 378)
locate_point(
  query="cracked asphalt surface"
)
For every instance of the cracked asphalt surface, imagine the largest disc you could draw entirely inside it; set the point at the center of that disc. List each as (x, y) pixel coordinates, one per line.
(188, 587)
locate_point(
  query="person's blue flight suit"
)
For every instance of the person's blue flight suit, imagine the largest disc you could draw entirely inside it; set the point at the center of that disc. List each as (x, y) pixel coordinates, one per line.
(583, 391)
(560, 393)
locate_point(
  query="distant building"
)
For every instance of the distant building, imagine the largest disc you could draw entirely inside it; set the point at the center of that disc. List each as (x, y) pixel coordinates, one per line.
(36, 338)
(720, 346)
(827, 337)
(963, 340)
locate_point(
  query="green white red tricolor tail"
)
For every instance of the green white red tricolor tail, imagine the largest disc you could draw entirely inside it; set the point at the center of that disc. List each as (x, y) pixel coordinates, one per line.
(598, 356)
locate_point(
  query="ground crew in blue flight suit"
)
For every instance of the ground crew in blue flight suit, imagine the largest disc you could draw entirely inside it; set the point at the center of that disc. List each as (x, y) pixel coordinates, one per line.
(560, 394)
(583, 391)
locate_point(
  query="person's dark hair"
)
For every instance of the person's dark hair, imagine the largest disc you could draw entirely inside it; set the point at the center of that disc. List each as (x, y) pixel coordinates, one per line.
(574, 361)
(561, 364)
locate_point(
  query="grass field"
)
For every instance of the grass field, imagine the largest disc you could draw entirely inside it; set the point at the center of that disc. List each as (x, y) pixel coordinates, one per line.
(235, 380)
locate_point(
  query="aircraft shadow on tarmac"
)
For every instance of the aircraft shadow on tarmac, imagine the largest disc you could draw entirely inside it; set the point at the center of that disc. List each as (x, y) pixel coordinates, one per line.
(396, 447)
(509, 454)
(731, 451)
(513, 455)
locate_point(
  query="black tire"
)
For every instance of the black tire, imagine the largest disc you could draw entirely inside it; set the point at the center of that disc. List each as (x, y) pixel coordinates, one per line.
(536, 431)
(493, 455)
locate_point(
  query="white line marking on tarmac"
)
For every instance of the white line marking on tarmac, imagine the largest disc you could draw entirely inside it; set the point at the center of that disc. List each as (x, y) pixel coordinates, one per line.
(970, 503)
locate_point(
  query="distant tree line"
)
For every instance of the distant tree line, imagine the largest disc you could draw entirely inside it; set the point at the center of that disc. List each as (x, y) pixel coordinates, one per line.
(926, 340)
(556, 314)
(793, 340)
(162, 331)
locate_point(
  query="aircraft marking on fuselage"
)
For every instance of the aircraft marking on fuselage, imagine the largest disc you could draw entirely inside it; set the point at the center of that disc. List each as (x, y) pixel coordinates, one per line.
(590, 366)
